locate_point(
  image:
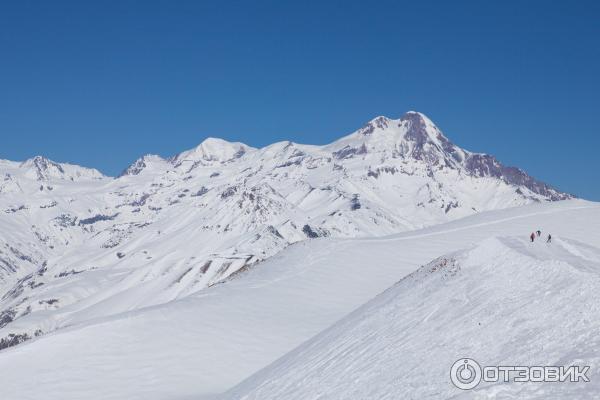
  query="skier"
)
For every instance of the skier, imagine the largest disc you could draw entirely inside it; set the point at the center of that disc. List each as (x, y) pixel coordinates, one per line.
(549, 240)
(539, 233)
(532, 237)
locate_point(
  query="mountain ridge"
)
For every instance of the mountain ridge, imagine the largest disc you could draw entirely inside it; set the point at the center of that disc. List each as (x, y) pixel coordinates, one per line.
(169, 228)
(421, 132)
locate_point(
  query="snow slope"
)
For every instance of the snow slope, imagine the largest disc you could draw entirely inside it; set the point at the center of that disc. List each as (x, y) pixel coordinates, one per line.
(503, 302)
(76, 246)
(208, 341)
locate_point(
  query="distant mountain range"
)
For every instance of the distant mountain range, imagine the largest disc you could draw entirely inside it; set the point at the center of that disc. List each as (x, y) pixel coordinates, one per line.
(77, 245)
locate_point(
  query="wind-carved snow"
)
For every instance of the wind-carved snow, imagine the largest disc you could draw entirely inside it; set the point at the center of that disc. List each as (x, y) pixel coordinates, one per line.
(76, 245)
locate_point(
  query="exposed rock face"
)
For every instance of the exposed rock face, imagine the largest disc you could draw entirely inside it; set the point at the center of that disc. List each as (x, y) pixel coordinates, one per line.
(485, 165)
(42, 167)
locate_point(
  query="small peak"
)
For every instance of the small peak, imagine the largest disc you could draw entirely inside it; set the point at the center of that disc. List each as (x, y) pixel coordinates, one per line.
(142, 163)
(37, 160)
(212, 150)
(279, 149)
(215, 149)
(415, 117)
(379, 122)
(152, 157)
(416, 121)
(41, 164)
(212, 141)
(43, 169)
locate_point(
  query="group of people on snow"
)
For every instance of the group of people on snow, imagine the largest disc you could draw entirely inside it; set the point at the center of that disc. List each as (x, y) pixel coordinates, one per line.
(538, 234)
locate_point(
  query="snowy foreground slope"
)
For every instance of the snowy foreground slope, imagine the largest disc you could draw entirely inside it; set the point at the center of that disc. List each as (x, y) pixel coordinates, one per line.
(503, 302)
(76, 246)
(207, 342)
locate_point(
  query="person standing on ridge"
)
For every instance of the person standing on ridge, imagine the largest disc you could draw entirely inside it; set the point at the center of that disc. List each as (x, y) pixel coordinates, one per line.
(549, 240)
(539, 233)
(532, 237)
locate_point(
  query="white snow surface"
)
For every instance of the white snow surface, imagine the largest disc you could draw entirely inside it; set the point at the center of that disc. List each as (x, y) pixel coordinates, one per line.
(206, 342)
(503, 302)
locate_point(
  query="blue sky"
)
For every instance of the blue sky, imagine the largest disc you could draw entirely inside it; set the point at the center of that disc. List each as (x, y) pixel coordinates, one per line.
(102, 83)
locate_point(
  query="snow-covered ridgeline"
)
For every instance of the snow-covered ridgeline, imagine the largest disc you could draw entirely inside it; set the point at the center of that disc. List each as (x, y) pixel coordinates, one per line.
(77, 245)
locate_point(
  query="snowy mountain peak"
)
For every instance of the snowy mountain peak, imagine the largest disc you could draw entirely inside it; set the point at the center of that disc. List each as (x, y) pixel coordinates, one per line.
(380, 123)
(413, 119)
(416, 141)
(412, 137)
(416, 115)
(149, 161)
(211, 150)
(421, 129)
(429, 143)
(42, 169)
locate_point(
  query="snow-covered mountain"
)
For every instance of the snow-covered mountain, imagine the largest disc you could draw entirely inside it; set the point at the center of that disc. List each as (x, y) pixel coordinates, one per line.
(76, 246)
(211, 340)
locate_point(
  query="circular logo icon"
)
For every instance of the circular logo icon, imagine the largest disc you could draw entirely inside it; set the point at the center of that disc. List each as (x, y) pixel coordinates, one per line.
(465, 373)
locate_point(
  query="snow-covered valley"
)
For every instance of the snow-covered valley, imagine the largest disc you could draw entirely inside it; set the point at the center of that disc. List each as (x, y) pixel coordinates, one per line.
(184, 276)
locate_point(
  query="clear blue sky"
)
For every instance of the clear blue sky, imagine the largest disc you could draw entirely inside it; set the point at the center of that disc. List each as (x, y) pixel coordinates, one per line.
(102, 83)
